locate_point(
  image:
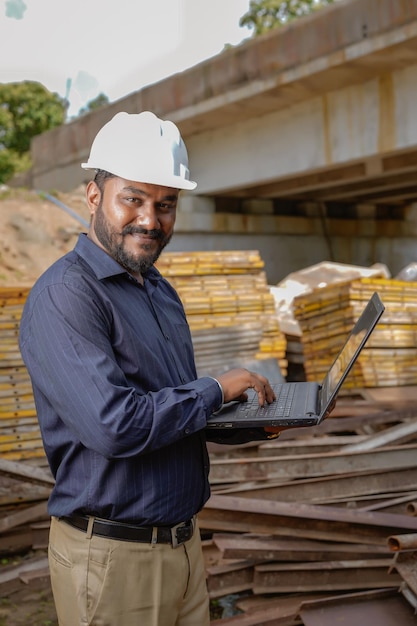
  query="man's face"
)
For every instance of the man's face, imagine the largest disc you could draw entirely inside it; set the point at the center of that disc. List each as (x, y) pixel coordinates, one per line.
(132, 222)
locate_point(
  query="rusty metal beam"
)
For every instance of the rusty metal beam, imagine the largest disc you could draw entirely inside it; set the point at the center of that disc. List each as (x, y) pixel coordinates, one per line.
(269, 548)
(301, 466)
(405, 563)
(231, 514)
(391, 610)
(328, 488)
(223, 580)
(324, 576)
(399, 433)
(271, 610)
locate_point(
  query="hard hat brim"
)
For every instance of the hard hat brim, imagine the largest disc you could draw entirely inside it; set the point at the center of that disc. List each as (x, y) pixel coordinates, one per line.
(175, 182)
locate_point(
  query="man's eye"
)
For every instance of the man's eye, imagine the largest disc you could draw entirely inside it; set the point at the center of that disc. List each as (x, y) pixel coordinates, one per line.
(166, 206)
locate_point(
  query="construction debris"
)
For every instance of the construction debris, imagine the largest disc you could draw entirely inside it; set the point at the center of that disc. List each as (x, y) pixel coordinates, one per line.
(322, 521)
(309, 513)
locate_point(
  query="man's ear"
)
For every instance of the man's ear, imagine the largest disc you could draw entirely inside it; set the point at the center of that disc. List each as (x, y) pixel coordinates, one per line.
(93, 196)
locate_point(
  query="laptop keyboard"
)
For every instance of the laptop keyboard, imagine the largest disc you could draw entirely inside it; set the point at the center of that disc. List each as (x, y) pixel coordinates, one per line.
(281, 407)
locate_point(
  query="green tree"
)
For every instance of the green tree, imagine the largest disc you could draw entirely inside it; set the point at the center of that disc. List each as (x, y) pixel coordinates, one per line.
(99, 101)
(27, 109)
(263, 15)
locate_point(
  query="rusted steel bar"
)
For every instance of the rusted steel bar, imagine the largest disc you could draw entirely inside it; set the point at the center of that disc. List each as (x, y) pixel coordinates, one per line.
(398, 434)
(284, 608)
(412, 508)
(407, 541)
(269, 548)
(379, 609)
(231, 514)
(324, 576)
(328, 488)
(304, 445)
(405, 563)
(223, 580)
(390, 504)
(267, 468)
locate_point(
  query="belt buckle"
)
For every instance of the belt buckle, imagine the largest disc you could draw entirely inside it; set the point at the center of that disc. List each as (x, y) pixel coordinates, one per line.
(181, 533)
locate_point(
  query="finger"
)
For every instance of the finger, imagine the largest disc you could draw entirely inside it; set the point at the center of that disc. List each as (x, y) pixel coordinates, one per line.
(264, 391)
(267, 391)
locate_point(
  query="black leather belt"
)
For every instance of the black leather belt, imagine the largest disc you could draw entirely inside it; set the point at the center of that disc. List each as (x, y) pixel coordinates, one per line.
(175, 535)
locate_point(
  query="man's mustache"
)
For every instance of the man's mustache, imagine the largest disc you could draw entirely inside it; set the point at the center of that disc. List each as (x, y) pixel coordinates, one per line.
(154, 233)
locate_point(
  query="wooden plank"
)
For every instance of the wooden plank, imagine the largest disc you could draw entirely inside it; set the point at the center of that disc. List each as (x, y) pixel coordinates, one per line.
(13, 578)
(26, 473)
(29, 514)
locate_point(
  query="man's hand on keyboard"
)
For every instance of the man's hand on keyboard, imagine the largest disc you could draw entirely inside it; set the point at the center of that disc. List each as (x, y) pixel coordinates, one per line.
(237, 381)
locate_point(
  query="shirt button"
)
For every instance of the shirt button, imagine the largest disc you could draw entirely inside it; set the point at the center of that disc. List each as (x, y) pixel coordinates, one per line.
(187, 431)
(167, 337)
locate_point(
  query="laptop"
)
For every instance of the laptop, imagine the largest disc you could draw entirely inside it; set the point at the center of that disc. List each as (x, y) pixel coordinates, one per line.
(302, 403)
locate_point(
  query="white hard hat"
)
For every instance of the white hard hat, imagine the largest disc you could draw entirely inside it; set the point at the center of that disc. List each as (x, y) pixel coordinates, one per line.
(142, 148)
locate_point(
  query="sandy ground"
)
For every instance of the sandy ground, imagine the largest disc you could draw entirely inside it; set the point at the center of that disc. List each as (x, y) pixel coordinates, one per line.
(34, 232)
(33, 605)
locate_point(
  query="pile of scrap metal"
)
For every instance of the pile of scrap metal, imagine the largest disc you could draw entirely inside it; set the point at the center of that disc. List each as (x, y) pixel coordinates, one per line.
(320, 524)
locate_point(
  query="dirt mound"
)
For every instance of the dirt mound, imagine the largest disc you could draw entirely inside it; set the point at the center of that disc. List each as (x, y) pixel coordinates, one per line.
(35, 231)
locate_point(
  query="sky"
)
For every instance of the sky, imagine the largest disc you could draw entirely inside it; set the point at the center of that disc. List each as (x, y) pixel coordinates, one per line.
(81, 48)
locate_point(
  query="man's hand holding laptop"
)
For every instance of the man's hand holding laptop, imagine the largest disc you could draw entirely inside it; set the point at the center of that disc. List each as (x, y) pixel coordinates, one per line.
(235, 384)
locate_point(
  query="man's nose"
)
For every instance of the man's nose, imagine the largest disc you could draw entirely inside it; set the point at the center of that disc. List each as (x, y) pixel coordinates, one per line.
(147, 217)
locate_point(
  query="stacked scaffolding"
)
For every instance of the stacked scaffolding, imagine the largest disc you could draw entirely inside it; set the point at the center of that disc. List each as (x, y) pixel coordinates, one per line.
(229, 307)
(327, 315)
(19, 431)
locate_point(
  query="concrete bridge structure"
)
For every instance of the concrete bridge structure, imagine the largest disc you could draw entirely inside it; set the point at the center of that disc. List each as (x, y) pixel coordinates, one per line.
(303, 141)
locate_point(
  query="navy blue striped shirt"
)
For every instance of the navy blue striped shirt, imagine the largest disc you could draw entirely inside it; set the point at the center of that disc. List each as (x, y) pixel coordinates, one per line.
(121, 410)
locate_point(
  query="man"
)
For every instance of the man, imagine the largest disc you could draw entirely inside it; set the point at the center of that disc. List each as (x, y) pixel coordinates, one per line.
(121, 410)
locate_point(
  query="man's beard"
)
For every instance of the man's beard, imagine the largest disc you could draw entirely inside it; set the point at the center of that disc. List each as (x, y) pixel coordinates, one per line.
(110, 240)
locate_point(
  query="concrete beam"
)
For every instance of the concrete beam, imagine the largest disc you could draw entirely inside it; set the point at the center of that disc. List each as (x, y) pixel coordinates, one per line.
(345, 64)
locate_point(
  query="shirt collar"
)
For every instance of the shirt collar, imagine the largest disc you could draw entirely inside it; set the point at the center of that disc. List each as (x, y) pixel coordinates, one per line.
(102, 264)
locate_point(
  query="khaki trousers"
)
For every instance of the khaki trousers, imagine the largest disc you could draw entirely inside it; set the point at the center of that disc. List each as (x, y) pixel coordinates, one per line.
(106, 582)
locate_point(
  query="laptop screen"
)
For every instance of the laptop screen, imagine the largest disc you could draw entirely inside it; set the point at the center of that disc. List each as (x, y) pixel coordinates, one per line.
(345, 359)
